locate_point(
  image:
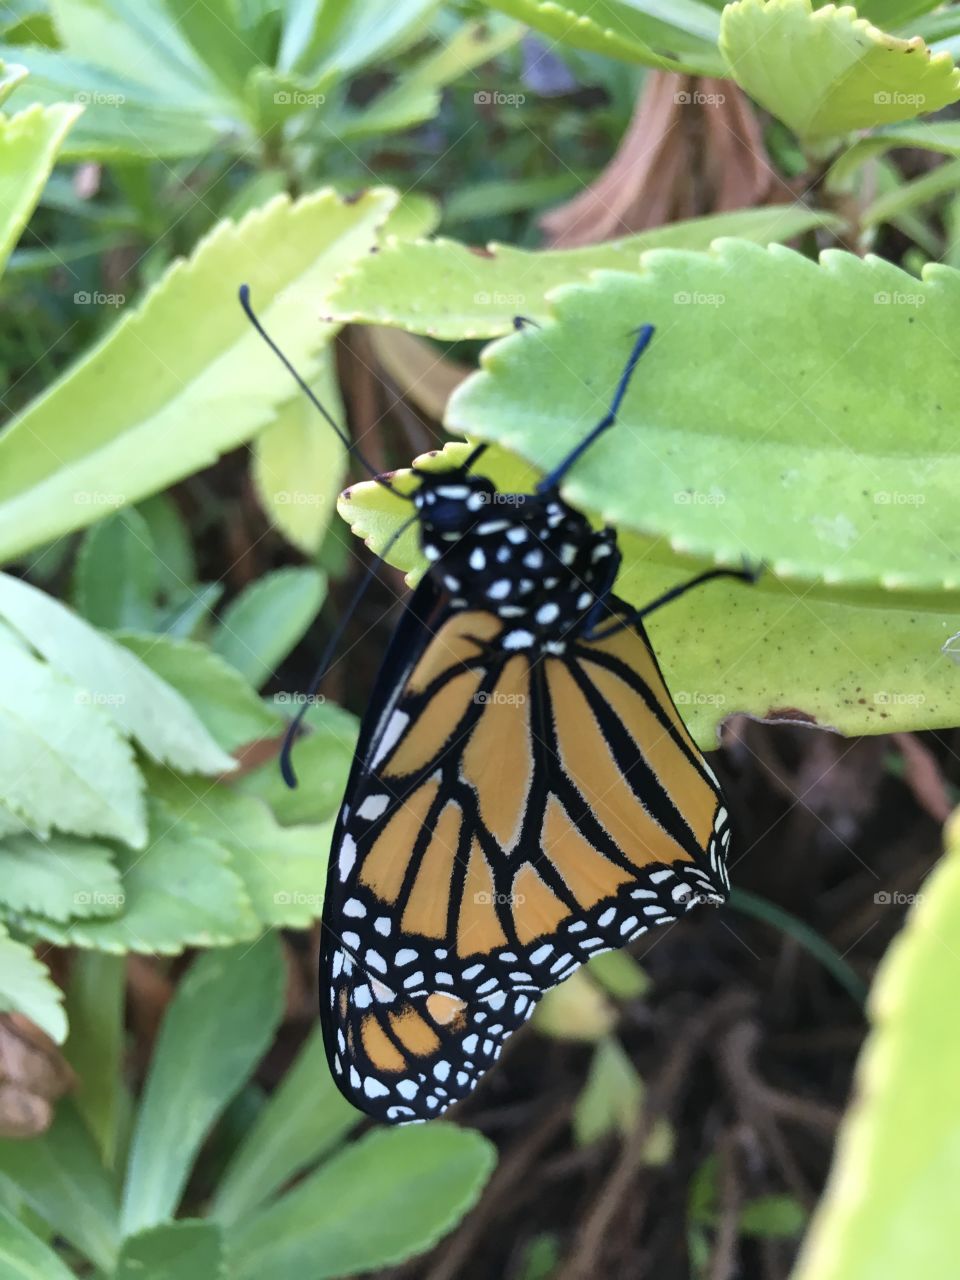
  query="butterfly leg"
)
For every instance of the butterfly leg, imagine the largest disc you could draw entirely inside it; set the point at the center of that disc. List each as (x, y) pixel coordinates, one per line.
(551, 481)
(748, 574)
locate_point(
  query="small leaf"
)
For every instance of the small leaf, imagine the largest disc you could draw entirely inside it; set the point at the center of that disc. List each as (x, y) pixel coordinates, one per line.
(217, 694)
(61, 1178)
(381, 1200)
(180, 395)
(63, 762)
(24, 1256)
(322, 759)
(618, 973)
(59, 877)
(942, 136)
(96, 1000)
(575, 1010)
(282, 868)
(825, 71)
(113, 681)
(170, 537)
(26, 987)
(447, 290)
(116, 578)
(174, 1251)
(303, 1119)
(889, 1197)
(29, 144)
(220, 1022)
(612, 1096)
(773, 1218)
(181, 891)
(267, 620)
(299, 462)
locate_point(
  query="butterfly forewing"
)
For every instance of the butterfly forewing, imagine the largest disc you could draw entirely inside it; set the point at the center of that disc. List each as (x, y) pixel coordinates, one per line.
(513, 814)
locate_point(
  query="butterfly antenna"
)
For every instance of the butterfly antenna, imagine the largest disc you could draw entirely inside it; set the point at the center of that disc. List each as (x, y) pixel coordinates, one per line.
(333, 644)
(311, 395)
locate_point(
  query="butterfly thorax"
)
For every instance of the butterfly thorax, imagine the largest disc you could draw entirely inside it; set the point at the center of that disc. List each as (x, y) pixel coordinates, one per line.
(527, 557)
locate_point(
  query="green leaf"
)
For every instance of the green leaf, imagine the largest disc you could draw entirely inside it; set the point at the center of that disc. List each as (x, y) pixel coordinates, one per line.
(889, 1198)
(612, 1096)
(29, 144)
(302, 1120)
(282, 868)
(61, 1178)
(122, 117)
(63, 762)
(891, 14)
(178, 395)
(622, 30)
(383, 1199)
(322, 759)
(181, 891)
(59, 877)
(858, 662)
(268, 619)
(934, 135)
(447, 290)
(341, 38)
(826, 71)
(26, 987)
(776, 451)
(216, 692)
(618, 973)
(96, 999)
(299, 463)
(170, 538)
(217, 1027)
(116, 578)
(174, 1251)
(11, 74)
(113, 681)
(773, 1218)
(24, 1256)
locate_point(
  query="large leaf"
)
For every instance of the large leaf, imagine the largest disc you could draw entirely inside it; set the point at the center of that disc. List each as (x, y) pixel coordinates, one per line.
(29, 144)
(792, 445)
(96, 1007)
(113, 680)
(283, 868)
(24, 1256)
(181, 891)
(219, 1024)
(217, 693)
(160, 397)
(391, 1195)
(826, 71)
(889, 1202)
(60, 877)
(61, 1178)
(26, 987)
(299, 463)
(173, 1251)
(260, 627)
(859, 662)
(303, 1119)
(447, 290)
(63, 762)
(628, 31)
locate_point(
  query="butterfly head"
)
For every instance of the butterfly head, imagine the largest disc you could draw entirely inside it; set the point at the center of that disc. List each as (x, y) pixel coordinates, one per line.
(451, 503)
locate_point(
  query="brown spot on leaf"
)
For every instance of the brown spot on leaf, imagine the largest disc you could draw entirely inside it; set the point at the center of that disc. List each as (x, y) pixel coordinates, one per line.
(790, 713)
(481, 251)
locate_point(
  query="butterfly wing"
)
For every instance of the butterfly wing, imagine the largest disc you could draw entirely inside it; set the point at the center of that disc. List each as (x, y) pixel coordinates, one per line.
(509, 815)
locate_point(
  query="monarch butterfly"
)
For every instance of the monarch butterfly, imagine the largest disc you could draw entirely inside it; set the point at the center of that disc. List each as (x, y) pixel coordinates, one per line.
(524, 793)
